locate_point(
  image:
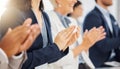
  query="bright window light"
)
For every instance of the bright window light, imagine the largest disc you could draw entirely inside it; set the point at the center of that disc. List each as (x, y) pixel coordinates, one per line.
(2, 6)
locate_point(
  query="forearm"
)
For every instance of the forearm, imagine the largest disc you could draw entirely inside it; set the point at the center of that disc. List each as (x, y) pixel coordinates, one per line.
(108, 44)
(77, 50)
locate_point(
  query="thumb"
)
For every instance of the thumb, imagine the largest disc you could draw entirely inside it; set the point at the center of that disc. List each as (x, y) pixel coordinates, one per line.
(85, 33)
(27, 22)
(9, 30)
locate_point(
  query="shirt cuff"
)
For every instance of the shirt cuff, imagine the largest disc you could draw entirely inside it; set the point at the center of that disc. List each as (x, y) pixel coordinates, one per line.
(67, 60)
(4, 54)
(19, 56)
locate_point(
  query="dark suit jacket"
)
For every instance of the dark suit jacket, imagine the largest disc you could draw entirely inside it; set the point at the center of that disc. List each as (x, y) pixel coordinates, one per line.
(37, 55)
(101, 51)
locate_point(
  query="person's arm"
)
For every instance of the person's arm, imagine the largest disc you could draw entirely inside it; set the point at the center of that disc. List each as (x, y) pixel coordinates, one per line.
(37, 56)
(3, 60)
(90, 37)
(24, 37)
(40, 56)
(11, 63)
(16, 62)
(107, 44)
(50, 53)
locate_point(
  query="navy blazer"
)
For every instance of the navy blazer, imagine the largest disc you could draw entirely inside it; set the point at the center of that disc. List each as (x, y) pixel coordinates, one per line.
(101, 51)
(37, 55)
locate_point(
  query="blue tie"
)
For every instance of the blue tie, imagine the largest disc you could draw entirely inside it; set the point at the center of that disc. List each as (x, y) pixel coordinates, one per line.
(114, 25)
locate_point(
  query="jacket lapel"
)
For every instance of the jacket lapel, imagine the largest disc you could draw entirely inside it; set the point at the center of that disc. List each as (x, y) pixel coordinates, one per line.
(48, 27)
(104, 22)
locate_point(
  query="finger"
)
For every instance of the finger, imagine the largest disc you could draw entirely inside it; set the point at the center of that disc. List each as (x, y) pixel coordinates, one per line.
(101, 27)
(85, 33)
(68, 31)
(72, 38)
(102, 36)
(31, 38)
(94, 28)
(71, 32)
(68, 35)
(9, 30)
(27, 44)
(78, 28)
(75, 30)
(19, 28)
(27, 22)
(78, 33)
(21, 34)
(35, 30)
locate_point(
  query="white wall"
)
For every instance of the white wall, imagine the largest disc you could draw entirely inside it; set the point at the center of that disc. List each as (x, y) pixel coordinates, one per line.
(88, 5)
(2, 6)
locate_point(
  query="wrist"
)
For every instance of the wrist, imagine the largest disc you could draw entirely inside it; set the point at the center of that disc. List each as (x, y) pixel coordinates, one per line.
(85, 46)
(17, 56)
(6, 52)
(58, 45)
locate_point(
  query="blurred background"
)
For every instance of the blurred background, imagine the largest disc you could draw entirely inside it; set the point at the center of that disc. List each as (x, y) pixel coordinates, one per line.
(88, 5)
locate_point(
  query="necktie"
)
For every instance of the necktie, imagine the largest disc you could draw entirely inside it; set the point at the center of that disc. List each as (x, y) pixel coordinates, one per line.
(114, 34)
(113, 25)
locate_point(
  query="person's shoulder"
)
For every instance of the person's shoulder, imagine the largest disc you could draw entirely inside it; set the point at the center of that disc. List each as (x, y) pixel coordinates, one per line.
(95, 12)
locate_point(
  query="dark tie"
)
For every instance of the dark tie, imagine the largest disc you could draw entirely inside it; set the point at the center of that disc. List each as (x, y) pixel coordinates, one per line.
(115, 33)
(114, 25)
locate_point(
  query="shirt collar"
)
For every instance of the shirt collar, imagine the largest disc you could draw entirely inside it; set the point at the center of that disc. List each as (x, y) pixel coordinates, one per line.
(62, 17)
(104, 11)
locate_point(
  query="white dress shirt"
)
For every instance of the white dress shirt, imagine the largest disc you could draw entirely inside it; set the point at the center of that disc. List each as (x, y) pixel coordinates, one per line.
(15, 62)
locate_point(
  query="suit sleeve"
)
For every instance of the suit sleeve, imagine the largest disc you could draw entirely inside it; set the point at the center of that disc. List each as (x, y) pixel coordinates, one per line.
(48, 54)
(107, 44)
